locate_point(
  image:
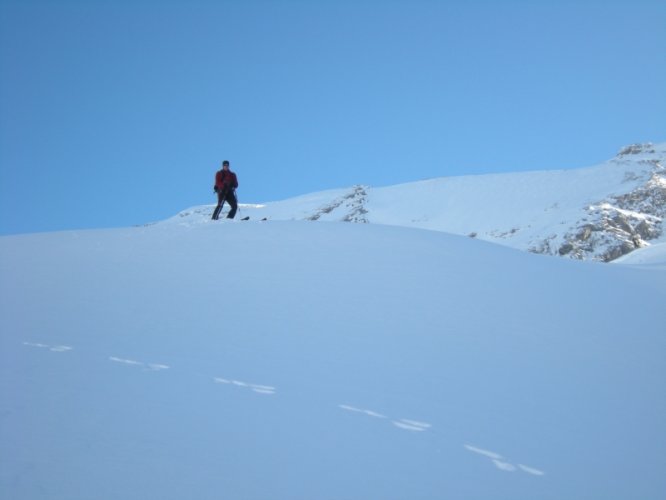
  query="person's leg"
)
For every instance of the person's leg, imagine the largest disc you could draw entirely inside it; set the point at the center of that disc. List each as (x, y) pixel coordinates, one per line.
(218, 208)
(233, 202)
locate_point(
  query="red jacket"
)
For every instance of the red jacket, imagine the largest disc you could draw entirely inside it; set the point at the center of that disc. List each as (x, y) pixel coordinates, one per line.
(225, 180)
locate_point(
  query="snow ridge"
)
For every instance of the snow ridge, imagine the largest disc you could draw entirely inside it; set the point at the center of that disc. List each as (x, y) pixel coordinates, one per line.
(597, 213)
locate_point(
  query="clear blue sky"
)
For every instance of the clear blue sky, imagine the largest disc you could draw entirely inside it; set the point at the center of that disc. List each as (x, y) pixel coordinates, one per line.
(119, 112)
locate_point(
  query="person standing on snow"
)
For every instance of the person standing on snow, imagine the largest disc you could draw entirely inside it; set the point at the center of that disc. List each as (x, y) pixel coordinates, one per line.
(225, 187)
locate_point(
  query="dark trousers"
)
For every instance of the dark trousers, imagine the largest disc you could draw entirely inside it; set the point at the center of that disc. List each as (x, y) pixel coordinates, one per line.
(230, 197)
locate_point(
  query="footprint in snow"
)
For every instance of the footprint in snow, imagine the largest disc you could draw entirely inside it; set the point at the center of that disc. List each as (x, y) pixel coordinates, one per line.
(369, 413)
(146, 366)
(500, 462)
(404, 424)
(531, 470)
(259, 389)
(55, 348)
(411, 425)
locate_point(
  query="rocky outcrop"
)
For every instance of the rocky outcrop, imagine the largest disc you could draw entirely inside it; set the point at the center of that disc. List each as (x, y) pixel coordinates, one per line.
(621, 223)
(351, 207)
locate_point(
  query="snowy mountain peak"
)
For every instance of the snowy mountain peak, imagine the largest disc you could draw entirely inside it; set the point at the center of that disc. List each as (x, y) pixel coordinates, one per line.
(634, 149)
(596, 213)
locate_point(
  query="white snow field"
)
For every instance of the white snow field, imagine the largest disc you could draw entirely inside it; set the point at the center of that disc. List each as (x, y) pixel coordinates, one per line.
(317, 360)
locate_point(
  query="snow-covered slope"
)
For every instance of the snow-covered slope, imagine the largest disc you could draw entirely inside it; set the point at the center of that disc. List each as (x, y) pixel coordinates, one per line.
(295, 360)
(597, 213)
(653, 256)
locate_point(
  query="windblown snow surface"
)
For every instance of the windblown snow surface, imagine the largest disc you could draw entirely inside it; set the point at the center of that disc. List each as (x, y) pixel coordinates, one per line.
(320, 360)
